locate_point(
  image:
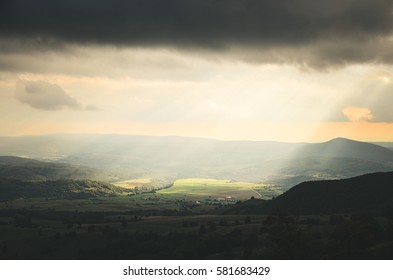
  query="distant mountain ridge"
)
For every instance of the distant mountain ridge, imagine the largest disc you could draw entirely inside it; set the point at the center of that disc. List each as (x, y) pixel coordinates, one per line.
(388, 145)
(342, 147)
(182, 157)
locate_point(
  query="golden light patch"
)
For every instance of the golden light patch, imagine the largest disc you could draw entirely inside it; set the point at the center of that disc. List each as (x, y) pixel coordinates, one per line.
(358, 114)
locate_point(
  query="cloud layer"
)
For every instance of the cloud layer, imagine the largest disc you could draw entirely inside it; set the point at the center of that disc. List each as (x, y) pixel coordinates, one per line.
(313, 32)
(358, 114)
(45, 96)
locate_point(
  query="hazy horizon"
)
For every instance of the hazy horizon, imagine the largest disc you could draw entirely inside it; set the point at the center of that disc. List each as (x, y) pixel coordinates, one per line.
(181, 136)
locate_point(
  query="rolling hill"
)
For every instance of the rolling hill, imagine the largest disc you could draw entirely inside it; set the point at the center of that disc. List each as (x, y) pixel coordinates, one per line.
(183, 157)
(33, 170)
(297, 170)
(341, 147)
(388, 145)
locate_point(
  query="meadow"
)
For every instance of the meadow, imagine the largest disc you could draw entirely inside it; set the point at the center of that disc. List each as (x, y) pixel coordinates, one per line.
(218, 189)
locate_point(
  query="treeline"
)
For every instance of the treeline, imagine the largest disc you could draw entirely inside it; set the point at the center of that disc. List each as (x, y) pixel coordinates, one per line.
(152, 187)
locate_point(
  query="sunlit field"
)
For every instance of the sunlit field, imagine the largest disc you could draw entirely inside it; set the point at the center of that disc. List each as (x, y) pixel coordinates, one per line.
(218, 189)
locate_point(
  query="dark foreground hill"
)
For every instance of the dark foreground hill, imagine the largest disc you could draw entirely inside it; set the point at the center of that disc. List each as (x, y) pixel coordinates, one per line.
(367, 194)
(371, 193)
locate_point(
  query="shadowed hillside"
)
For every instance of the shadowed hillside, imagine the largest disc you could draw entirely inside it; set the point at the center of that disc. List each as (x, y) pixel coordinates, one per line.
(341, 147)
(69, 189)
(33, 170)
(371, 194)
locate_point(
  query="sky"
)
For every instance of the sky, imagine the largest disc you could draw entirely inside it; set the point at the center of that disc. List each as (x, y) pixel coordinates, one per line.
(282, 70)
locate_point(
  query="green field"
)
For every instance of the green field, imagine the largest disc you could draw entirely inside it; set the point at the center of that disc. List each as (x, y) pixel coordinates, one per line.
(200, 188)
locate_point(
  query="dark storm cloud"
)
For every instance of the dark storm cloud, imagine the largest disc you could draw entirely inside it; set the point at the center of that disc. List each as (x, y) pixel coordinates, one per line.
(200, 22)
(295, 30)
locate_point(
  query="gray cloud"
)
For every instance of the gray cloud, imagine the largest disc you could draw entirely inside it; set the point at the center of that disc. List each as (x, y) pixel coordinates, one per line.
(45, 96)
(314, 32)
(372, 99)
(379, 99)
(91, 108)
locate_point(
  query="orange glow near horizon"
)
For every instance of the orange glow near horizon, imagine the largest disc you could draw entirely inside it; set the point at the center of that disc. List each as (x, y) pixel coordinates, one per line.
(261, 131)
(361, 131)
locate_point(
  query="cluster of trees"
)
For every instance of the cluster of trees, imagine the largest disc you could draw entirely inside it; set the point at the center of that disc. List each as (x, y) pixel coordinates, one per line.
(152, 187)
